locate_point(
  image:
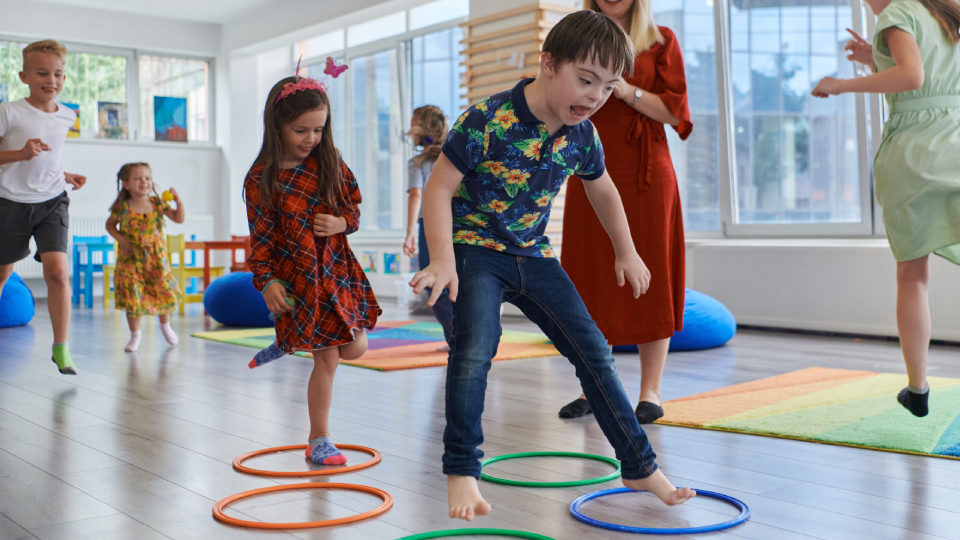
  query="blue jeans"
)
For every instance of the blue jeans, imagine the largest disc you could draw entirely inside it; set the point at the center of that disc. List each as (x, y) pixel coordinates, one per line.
(442, 309)
(544, 293)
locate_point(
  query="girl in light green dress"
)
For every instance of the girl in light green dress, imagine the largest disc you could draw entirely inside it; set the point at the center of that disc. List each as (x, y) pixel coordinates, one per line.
(916, 60)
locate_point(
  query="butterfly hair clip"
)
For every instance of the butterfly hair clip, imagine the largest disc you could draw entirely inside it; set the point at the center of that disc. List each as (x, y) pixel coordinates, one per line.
(306, 83)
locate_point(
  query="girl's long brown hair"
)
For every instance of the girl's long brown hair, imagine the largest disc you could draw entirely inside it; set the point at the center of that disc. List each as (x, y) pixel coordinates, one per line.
(275, 116)
(124, 175)
(429, 130)
(947, 13)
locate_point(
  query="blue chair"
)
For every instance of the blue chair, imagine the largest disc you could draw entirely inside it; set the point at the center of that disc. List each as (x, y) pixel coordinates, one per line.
(84, 250)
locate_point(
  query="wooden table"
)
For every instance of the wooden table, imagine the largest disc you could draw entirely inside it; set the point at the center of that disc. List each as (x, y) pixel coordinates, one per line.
(210, 245)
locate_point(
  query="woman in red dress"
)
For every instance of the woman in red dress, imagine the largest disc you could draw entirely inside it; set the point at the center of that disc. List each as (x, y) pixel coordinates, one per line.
(631, 127)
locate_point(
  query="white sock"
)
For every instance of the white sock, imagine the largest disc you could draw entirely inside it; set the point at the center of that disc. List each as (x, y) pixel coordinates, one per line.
(134, 342)
(169, 334)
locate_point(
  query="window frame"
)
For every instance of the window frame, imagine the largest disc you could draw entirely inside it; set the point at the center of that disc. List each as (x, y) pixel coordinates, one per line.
(133, 89)
(349, 54)
(729, 227)
(211, 95)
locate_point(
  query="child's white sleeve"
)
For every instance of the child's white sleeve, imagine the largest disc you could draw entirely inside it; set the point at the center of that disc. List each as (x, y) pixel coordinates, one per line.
(4, 119)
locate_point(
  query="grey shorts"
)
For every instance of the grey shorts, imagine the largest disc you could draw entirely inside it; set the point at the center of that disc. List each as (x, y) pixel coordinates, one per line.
(47, 222)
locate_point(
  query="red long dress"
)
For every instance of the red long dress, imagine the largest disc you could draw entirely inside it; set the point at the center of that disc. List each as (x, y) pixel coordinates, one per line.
(638, 160)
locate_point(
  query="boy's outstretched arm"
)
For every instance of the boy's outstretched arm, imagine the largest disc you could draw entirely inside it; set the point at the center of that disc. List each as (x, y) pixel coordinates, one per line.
(605, 199)
(438, 225)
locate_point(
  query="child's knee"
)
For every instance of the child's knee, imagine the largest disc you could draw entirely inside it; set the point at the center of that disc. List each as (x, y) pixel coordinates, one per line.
(353, 351)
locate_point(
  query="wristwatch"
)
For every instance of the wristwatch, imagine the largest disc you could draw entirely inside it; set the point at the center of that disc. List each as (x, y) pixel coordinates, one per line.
(637, 92)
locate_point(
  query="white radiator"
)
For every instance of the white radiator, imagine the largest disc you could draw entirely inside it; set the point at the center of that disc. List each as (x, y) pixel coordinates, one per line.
(201, 226)
(846, 286)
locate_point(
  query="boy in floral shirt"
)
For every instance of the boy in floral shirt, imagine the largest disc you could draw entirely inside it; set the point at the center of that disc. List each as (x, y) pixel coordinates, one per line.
(502, 164)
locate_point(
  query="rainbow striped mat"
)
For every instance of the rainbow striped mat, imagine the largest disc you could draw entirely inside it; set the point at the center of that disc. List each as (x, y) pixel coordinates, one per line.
(836, 406)
(400, 344)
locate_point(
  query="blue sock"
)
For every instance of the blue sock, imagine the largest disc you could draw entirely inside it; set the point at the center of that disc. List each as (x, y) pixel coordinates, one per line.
(323, 452)
(267, 355)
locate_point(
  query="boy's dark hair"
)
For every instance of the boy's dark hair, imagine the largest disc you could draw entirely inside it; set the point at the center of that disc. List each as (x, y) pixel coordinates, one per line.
(587, 35)
(288, 109)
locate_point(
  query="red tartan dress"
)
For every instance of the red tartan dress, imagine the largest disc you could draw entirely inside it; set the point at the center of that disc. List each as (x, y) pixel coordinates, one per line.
(332, 296)
(638, 160)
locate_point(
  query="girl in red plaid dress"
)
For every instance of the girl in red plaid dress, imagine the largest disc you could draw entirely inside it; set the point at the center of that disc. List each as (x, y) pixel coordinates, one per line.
(302, 201)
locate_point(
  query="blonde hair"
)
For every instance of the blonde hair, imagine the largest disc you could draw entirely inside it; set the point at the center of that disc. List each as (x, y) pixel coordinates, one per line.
(47, 46)
(124, 176)
(643, 30)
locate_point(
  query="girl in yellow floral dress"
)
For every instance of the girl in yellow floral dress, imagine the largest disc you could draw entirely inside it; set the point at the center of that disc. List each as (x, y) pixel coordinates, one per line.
(143, 283)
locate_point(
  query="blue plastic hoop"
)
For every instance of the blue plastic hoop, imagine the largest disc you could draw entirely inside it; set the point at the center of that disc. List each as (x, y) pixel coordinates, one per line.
(575, 512)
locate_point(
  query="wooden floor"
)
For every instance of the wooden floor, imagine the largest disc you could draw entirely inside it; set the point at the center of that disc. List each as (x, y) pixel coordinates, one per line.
(139, 446)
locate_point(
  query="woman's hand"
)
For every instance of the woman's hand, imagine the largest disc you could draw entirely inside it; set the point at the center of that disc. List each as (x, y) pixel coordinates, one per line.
(860, 50)
(828, 86)
(624, 91)
(276, 298)
(327, 225)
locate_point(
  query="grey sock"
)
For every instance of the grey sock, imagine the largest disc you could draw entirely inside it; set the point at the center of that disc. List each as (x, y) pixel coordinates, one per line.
(916, 390)
(320, 440)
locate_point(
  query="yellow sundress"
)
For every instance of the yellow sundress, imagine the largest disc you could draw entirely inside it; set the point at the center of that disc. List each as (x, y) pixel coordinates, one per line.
(143, 282)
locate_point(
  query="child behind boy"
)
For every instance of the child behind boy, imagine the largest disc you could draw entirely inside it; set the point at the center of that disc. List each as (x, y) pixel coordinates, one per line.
(33, 200)
(502, 165)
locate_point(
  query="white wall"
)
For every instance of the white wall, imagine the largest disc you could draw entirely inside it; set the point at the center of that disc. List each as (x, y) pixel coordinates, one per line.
(193, 170)
(47, 20)
(840, 285)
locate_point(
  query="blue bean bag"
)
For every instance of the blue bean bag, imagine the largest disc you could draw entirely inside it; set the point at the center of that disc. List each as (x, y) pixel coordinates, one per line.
(706, 324)
(233, 301)
(17, 305)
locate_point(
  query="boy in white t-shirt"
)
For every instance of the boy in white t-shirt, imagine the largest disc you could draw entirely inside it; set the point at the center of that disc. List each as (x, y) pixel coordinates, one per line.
(33, 198)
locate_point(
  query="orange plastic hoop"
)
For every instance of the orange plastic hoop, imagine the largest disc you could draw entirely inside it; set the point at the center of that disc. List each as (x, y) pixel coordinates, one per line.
(238, 463)
(218, 508)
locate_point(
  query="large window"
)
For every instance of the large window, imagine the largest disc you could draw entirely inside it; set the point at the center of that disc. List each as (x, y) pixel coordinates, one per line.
(436, 71)
(377, 151)
(696, 160)
(796, 157)
(96, 75)
(180, 78)
(396, 62)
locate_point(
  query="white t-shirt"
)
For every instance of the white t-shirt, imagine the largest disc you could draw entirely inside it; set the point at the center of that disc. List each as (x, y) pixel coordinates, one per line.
(41, 178)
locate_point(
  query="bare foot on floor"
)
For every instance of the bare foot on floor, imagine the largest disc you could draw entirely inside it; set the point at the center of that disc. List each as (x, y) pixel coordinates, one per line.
(658, 484)
(464, 497)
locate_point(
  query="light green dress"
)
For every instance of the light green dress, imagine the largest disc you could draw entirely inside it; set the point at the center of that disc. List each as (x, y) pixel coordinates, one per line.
(917, 167)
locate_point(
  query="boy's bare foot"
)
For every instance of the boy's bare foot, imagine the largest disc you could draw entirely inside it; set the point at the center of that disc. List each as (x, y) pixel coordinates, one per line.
(658, 484)
(464, 497)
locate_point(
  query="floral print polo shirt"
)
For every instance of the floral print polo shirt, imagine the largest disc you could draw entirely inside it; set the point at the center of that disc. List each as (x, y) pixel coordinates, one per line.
(513, 168)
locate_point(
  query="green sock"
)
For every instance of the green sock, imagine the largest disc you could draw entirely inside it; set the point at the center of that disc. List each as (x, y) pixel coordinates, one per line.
(61, 357)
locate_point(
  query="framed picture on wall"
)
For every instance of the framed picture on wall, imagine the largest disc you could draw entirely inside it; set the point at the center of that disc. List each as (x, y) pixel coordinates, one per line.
(112, 120)
(391, 263)
(74, 132)
(170, 118)
(368, 261)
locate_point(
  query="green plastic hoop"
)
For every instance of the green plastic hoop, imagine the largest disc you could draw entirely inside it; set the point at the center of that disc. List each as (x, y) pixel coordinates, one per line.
(476, 532)
(523, 483)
